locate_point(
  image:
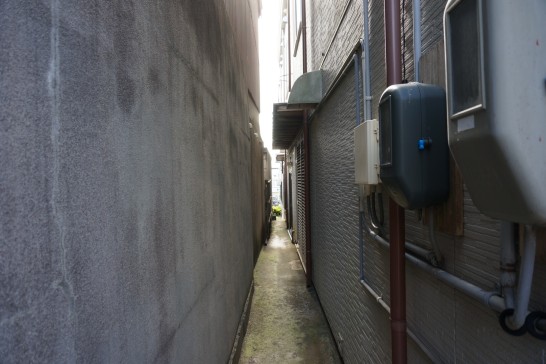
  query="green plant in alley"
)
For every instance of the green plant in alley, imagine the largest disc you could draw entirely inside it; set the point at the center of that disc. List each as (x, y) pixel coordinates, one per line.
(276, 210)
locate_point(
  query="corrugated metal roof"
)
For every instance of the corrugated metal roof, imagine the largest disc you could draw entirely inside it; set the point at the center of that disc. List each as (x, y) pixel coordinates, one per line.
(286, 125)
(306, 94)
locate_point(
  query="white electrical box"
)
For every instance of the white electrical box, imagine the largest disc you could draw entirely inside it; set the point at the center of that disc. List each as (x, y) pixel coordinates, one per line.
(496, 95)
(367, 153)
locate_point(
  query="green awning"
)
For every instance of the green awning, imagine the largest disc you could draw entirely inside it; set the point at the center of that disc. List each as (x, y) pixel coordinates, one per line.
(307, 90)
(306, 93)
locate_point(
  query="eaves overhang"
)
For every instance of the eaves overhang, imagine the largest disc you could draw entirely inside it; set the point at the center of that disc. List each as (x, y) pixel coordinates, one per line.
(306, 94)
(286, 125)
(307, 89)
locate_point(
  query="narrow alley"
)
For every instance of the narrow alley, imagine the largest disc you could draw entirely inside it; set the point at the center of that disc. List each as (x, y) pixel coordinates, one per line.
(146, 148)
(286, 323)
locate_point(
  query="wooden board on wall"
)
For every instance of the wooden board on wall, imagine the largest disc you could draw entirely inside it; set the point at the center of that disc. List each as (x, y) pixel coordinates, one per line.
(449, 217)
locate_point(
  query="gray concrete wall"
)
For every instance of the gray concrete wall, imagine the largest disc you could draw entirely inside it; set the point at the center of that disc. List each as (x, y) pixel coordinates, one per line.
(124, 184)
(257, 189)
(453, 327)
(243, 22)
(243, 15)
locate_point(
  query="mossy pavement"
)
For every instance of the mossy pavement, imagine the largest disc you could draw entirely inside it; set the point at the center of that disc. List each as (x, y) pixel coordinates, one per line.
(286, 323)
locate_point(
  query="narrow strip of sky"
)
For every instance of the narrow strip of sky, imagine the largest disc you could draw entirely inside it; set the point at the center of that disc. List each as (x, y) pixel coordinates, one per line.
(269, 39)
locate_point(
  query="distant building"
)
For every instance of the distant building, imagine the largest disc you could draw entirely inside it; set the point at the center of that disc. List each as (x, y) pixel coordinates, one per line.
(276, 180)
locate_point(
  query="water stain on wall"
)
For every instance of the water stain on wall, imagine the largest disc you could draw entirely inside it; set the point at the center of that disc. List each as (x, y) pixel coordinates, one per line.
(154, 81)
(210, 38)
(124, 35)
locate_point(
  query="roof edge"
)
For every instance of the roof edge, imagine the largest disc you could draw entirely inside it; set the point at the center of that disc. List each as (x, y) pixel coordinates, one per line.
(308, 89)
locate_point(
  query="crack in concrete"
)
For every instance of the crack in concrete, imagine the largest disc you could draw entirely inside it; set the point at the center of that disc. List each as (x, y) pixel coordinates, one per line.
(54, 88)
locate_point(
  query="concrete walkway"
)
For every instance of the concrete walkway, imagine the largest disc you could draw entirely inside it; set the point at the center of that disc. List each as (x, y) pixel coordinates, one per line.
(286, 323)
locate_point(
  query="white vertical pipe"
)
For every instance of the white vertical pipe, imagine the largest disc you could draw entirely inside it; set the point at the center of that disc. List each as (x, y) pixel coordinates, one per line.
(525, 280)
(416, 37)
(366, 84)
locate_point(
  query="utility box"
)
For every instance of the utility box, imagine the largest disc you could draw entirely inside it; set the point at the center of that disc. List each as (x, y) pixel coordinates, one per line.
(367, 153)
(413, 150)
(496, 94)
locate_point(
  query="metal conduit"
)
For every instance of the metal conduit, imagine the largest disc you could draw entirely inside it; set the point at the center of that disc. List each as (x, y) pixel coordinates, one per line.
(379, 299)
(525, 281)
(410, 333)
(491, 299)
(423, 253)
(416, 37)
(365, 45)
(289, 54)
(396, 213)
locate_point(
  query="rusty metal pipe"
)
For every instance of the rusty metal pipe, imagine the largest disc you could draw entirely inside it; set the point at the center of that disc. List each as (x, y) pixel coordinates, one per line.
(396, 213)
(392, 42)
(398, 284)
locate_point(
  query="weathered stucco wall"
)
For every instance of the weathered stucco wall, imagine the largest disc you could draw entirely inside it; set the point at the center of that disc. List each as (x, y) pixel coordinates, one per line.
(124, 186)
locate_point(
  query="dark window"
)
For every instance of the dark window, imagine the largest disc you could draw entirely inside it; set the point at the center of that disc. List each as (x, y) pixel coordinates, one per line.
(464, 38)
(385, 132)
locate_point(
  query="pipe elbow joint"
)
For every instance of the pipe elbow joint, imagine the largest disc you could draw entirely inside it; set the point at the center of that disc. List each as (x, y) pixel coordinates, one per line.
(506, 322)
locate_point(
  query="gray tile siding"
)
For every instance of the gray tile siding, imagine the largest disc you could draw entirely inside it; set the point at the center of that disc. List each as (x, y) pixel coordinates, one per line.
(453, 327)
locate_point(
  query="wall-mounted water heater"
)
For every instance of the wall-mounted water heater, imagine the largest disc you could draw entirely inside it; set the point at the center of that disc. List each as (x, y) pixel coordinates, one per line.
(496, 94)
(413, 151)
